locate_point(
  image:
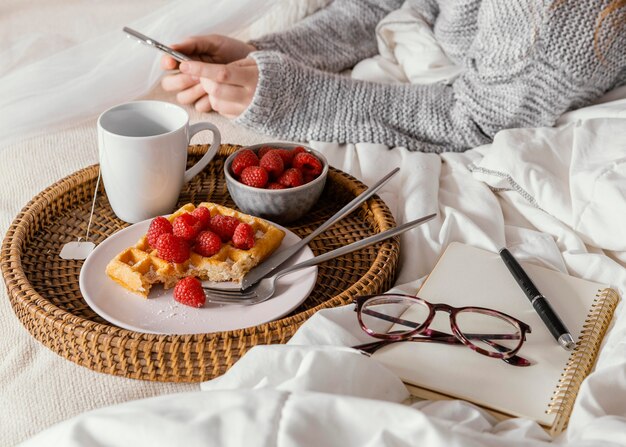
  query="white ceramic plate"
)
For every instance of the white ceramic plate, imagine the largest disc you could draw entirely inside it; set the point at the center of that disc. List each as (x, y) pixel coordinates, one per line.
(160, 314)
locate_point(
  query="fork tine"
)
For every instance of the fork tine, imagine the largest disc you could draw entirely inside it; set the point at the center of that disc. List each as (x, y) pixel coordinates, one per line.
(235, 292)
(231, 300)
(244, 302)
(231, 297)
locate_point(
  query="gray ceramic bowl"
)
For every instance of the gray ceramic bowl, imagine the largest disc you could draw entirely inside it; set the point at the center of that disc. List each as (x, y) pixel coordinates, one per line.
(277, 205)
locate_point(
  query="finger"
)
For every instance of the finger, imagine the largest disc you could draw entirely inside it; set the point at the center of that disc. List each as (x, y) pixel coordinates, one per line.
(188, 48)
(168, 63)
(203, 104)
(225, 92)
(199, 44)
(226, 108)
(191, 95)
(174, 83)
(224, 74)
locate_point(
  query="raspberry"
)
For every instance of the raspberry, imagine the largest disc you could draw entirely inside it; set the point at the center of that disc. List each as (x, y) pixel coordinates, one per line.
(172, 248)
(264, 150)
(244, 236)
(291, 178)
(187, 227)
(273, 163)
(158, 226)
(224, 226)
(254, 176)
(207, 244)
(297, 150)
(244, 158)
(188, 291)
(203, 215)
(307, 162)
(275, 185)
(308, 177)
(286, 155)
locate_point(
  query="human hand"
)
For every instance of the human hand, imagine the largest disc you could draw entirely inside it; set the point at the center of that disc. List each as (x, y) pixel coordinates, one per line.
(212, 48)
(229, 87)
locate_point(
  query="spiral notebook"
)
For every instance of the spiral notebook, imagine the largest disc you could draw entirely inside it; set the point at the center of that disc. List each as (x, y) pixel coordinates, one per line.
(544, 391)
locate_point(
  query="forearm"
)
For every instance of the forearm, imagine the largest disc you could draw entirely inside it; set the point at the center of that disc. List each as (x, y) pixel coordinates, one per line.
(334, 38)
(299, 103)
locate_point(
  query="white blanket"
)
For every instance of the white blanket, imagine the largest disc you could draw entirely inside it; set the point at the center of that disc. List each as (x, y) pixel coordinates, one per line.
(555, 196)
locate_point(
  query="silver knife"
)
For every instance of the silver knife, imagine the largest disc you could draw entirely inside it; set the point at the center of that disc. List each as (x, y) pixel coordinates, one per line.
(370, 240)
(267, 267)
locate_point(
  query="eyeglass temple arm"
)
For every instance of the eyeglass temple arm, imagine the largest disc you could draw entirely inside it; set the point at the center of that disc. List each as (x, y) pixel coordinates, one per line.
(370, 348)
(389, 318)
(374, 345)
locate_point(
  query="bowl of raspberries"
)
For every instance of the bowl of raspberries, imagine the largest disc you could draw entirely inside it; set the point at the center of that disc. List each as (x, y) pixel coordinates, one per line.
(276, 181)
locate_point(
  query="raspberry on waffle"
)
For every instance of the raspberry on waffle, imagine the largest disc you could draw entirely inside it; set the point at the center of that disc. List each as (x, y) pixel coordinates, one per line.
(138, 267)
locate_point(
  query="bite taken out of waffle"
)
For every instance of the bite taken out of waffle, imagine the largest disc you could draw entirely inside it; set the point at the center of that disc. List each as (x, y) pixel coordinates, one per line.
(138, 267)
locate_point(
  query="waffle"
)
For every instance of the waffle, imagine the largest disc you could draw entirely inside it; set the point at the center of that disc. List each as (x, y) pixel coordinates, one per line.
(138, 267)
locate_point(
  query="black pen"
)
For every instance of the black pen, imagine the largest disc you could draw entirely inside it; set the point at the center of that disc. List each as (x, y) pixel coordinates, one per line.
(539, 302)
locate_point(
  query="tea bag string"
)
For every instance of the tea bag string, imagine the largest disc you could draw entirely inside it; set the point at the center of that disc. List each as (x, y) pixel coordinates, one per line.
(93, 204)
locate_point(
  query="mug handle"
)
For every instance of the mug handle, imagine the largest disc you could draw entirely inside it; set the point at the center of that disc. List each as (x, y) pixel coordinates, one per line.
(206, 158)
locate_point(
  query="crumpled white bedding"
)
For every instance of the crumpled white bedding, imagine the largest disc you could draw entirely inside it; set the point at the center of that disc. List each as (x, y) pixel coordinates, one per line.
(555, 196)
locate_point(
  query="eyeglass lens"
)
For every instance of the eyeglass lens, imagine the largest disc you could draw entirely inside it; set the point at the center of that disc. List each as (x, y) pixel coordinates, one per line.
(406, 315)
(489, 331)
(382, 315)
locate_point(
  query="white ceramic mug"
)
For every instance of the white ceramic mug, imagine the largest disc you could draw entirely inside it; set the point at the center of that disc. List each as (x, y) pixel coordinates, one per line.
(143, 156)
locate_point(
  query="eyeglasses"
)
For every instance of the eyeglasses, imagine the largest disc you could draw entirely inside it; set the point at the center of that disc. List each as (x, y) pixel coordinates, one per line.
(394, 317)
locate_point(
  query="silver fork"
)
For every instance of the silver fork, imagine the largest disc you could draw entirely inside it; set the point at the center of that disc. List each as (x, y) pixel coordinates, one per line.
(265, 289)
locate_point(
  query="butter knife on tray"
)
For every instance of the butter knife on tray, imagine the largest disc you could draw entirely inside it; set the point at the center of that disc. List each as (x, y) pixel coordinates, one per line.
(266, 268)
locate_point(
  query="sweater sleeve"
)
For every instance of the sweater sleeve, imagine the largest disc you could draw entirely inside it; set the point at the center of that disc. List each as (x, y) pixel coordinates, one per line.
(505, 85)
(300, 103)
(334, 38)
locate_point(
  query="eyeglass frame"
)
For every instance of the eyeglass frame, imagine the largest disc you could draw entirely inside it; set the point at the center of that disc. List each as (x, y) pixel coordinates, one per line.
(452, 311)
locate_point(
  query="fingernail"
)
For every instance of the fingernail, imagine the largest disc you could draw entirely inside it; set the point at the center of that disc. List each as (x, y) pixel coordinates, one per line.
(184, 66)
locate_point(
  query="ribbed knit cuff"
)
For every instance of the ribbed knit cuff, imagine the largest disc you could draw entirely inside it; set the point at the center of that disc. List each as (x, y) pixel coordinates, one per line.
(293, 101)
(273, 79)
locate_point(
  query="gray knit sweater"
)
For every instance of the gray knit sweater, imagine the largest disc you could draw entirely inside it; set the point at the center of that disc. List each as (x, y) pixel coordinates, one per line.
(525, 63)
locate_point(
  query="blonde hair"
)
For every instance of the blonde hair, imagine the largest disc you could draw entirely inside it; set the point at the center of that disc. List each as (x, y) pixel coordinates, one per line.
(615, 21)
(607, 14)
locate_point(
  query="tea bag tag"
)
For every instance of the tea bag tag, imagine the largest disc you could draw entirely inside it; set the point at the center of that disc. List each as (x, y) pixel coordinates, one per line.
(79, 249)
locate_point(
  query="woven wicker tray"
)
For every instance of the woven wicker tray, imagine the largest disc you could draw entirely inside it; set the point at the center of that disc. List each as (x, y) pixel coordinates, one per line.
(44, 292)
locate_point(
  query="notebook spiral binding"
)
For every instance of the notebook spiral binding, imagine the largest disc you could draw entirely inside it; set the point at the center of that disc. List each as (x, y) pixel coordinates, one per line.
(583, 358)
